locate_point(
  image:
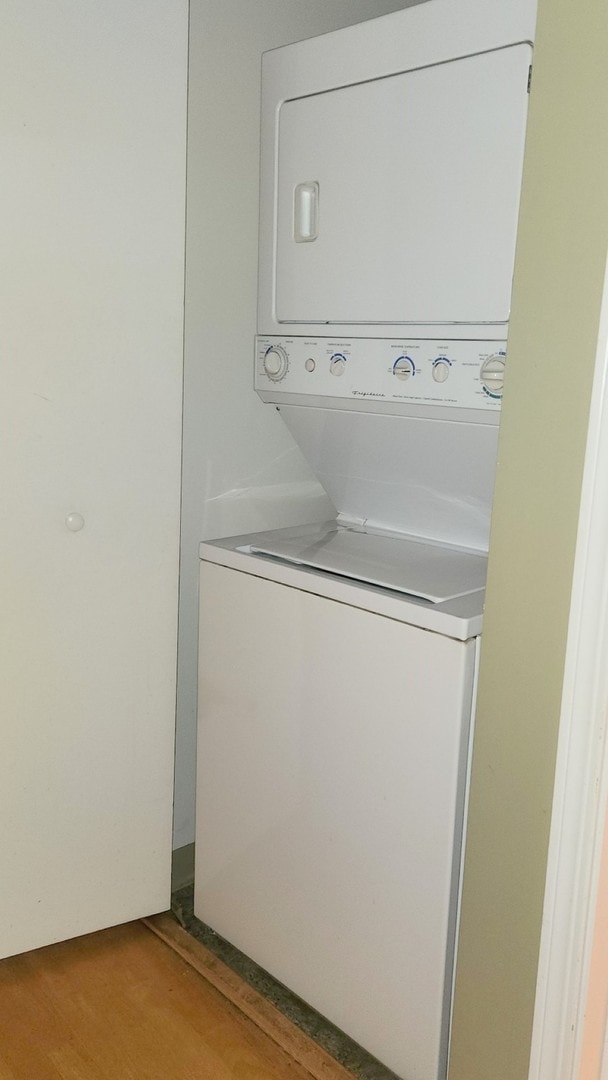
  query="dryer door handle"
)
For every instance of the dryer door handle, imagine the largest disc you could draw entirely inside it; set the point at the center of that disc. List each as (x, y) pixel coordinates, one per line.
(306, 212)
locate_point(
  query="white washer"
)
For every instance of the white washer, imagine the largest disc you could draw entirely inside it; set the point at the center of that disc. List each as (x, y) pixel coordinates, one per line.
(334, 728)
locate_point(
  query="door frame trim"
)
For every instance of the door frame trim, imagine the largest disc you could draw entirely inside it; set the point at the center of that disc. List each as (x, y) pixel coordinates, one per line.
(581, 781)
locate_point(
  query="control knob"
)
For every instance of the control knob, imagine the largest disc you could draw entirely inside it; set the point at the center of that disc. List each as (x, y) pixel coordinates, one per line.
(337, 364)
(276, 363)
(441, 369)
(492, 374)
(404, 368)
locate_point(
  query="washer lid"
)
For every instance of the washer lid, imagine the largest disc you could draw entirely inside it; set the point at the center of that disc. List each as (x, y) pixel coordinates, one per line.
(426, 570)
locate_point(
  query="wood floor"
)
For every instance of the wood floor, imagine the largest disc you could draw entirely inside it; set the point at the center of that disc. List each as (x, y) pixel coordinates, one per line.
(122, 1005)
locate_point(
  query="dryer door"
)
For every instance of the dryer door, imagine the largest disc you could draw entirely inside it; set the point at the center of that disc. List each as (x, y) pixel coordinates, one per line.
(398, 197)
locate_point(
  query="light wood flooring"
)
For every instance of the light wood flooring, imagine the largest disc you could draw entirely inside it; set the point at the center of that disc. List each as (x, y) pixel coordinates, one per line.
(123, 1005)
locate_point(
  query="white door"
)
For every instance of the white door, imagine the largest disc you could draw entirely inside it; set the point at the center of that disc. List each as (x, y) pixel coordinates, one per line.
(332, 745)
(398, 197)
(92, 140)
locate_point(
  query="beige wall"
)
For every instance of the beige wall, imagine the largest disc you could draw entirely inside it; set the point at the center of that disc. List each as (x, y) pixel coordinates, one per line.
(560, 263)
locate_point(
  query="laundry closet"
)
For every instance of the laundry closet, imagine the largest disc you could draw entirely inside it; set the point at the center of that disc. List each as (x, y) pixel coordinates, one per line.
(374, 425)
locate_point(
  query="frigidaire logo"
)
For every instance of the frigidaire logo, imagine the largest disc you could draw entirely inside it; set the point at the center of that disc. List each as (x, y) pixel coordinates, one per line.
(366, 393)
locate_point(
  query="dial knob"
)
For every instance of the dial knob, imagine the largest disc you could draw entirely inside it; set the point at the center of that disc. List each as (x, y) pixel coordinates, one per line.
(337, 364)
(441, 369)
(404, 368)
(492, 374)
(276, 362)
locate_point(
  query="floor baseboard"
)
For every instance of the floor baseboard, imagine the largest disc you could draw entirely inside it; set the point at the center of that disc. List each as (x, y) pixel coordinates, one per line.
(257, 1008)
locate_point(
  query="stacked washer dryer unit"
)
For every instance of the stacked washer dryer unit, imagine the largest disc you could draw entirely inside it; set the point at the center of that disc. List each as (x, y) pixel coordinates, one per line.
(338, 661)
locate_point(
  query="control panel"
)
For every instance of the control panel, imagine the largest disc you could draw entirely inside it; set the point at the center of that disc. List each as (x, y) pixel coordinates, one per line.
(461, 374)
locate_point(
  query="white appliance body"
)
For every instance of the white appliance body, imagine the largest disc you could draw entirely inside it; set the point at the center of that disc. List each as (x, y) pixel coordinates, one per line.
(334, 734)
(337, 663)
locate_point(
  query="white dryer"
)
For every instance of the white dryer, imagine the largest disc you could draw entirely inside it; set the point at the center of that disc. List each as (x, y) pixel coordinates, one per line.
(337, 662)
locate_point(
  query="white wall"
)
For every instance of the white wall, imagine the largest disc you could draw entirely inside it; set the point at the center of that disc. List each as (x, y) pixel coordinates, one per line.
(242, 471)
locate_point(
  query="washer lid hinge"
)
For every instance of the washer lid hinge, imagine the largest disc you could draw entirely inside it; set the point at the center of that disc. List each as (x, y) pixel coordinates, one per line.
(355, 524)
